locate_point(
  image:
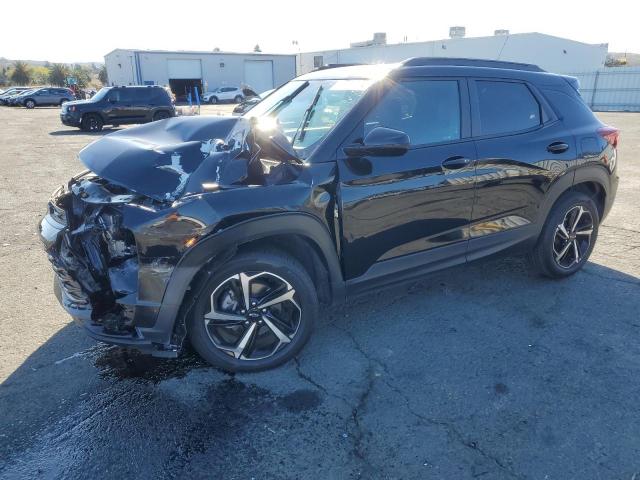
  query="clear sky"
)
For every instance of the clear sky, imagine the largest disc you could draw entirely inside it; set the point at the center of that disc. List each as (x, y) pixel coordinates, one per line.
(85, 31)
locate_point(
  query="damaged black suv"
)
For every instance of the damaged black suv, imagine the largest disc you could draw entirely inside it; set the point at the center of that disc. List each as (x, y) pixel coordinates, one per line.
(230, 232)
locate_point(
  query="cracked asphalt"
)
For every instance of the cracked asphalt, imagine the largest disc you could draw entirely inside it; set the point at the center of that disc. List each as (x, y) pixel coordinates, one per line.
(482, 371)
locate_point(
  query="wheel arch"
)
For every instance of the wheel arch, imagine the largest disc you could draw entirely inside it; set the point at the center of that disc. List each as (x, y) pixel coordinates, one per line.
(299, 230)
(592, 180)
(97, 113)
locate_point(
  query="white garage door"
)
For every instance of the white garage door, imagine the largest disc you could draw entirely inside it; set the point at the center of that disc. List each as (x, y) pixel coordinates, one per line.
(184, 69)
(258, 74)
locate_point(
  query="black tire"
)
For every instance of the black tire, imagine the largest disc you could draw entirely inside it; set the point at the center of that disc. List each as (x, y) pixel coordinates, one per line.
(267, 266)
(552, 243)
(92, 123)
(238, 98)
(29, 104)
(160, 115)
(213, 100)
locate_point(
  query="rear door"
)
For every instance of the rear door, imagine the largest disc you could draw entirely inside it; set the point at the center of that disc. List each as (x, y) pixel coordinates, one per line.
(44, 96)
(141, 100)
(403, 212)
(522, 149)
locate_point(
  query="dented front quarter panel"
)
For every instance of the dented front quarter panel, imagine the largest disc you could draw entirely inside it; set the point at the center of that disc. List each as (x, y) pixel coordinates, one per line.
(175, 183)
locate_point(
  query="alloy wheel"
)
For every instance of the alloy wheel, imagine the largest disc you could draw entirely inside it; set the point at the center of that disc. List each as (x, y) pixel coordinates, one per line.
(253, 315)
(572, 238)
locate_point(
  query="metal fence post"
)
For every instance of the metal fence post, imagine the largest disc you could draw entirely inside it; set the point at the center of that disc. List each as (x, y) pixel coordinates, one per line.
(595, 89)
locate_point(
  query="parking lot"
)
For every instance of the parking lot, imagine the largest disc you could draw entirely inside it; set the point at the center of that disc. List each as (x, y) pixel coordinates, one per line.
(483, 371)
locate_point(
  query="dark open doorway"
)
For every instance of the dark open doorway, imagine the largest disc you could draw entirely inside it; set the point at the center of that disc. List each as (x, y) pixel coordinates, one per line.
(181, 87)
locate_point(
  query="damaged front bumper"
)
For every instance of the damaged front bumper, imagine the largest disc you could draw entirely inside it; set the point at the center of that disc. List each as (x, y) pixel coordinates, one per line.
(98, 238)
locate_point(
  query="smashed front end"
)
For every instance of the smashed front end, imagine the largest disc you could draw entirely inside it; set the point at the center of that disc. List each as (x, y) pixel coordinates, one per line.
(110, 274)
(115, 233)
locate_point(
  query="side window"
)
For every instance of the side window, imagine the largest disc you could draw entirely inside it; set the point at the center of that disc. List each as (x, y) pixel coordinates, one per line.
(160, 95)
(506, 107)
(143, 95)
(426, 110)
(114, 95)
(127, 95)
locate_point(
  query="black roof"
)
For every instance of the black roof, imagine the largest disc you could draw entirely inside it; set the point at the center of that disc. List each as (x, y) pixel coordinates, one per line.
(469, 62)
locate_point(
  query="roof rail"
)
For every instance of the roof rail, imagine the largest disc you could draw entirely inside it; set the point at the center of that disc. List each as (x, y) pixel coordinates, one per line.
(337, 65)
(469, 62)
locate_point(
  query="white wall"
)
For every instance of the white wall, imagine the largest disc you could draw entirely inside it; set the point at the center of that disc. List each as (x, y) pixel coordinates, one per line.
(120, 67)
(553, 54)
(154, 67)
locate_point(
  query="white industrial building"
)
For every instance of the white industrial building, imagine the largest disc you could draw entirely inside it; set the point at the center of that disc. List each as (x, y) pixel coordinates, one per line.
(183, 70)
(554, 54)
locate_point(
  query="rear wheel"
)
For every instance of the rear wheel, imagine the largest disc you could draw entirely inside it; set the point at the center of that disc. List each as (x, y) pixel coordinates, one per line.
(30, 104)
(255, 312)
(160, 115)
(238, 98)
(92, 123)
(568, 236)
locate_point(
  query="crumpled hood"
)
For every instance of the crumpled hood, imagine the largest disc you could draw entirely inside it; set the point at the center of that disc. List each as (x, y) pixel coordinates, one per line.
(171, 158)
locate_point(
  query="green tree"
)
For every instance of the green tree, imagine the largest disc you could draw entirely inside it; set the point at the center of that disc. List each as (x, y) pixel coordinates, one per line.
(39, 75)
(21, 74)
(4, 78)
(102, 75)
(82, 76)
(58, 73)
(257, 48)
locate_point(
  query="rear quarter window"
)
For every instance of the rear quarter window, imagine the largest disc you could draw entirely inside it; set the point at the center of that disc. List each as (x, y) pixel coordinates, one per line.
(506, 107)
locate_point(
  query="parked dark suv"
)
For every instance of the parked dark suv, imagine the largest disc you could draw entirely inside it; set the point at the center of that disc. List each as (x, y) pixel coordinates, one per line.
(232, 231)
(118, 106)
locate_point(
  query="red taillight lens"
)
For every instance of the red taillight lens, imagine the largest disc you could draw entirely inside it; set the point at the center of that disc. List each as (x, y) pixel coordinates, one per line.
(610, 134)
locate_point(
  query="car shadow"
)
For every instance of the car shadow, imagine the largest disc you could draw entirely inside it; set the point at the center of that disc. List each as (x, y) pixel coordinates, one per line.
(486, 308)
(78, 132)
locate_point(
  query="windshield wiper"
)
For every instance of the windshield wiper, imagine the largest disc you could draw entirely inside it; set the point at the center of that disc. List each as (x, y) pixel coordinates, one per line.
(307, 117)
(287, 100)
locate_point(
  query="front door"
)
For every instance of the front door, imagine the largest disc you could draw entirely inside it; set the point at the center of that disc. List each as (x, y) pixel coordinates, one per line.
(405, 212)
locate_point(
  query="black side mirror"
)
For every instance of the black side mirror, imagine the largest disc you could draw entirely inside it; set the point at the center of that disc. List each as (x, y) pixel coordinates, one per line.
(380, 142)
(274, 143)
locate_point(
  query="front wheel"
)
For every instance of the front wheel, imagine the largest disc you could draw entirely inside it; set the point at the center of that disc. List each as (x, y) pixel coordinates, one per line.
(92, 123)
(213, 100)
(255, 312)
(568, 236)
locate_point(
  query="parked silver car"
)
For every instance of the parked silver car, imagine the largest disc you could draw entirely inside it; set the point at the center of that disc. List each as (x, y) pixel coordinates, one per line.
(46, 96)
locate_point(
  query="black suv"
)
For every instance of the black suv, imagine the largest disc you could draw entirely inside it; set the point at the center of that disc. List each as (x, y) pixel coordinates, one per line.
(118, 106)
(231, 231)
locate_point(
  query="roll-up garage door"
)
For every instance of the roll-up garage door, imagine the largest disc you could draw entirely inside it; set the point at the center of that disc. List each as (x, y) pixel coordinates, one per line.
(258, 74)
(184, 68)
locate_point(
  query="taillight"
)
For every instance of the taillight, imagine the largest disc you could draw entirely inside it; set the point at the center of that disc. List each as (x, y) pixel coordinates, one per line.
(610, 134)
